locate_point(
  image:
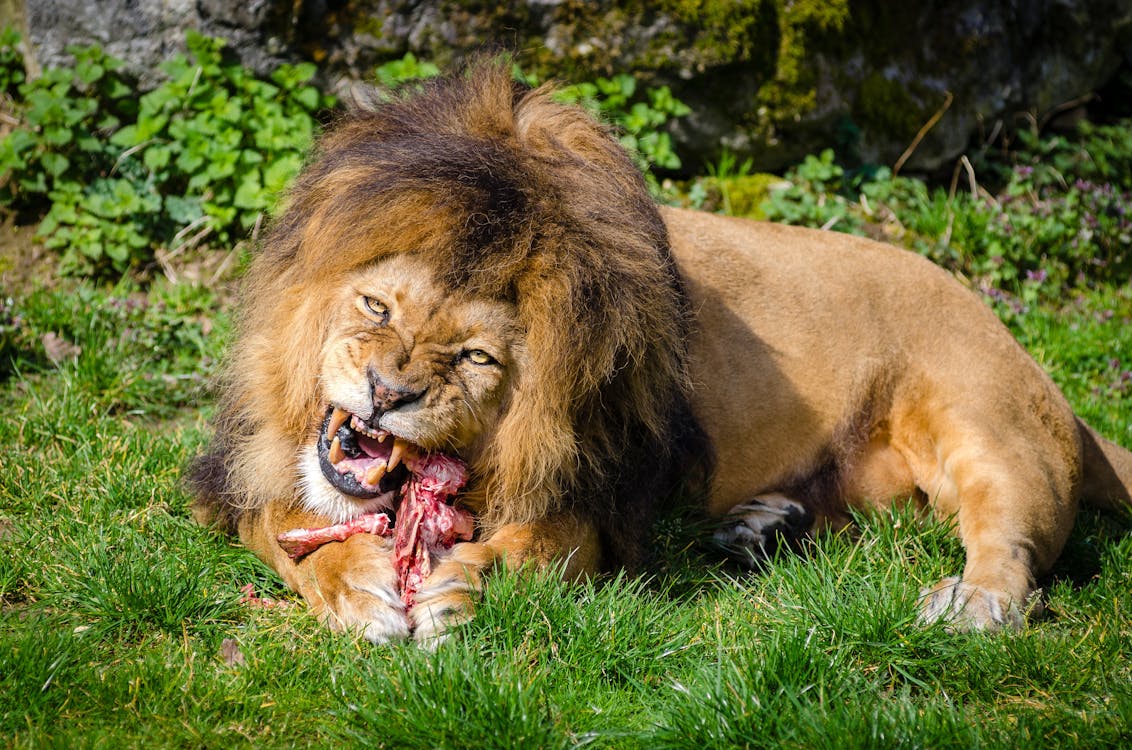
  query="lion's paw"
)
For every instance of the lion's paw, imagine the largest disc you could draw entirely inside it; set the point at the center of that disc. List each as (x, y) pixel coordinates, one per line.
(357, 586)
(446, 599)
(964, 607)
(752, 531)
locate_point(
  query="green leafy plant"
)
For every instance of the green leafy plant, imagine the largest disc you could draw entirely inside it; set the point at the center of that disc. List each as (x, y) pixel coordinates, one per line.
(66, 115)
(812, 196)
(201, 157)
(1059, 218)
(11, 61)
(639, 116)
(396, 73)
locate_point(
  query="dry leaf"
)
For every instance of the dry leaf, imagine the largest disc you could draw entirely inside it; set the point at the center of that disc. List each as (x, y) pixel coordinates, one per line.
(58, 348)
(231, 654)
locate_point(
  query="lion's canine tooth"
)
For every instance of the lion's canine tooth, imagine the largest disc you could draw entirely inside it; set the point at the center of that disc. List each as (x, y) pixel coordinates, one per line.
(397, 452)
(336, 452)
(337, 419)
(374, 475)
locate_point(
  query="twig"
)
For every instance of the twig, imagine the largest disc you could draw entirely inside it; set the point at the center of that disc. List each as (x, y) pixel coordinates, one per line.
(166, 268)
(965, 164)
(971, 181)
(224, 265)
(190, 227)
(130, 152)
(1063, 107)
(922, 132)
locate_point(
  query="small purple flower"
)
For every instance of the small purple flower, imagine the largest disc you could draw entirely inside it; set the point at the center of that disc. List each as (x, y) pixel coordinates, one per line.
(1037, 276)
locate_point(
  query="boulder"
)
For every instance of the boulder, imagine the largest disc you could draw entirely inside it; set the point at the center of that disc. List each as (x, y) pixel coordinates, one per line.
(772, 79)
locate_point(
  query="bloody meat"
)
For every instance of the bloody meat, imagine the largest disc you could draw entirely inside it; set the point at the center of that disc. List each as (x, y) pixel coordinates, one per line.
(426, 523)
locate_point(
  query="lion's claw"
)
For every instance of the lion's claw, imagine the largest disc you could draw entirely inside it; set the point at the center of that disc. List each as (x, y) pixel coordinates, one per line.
(964, 607)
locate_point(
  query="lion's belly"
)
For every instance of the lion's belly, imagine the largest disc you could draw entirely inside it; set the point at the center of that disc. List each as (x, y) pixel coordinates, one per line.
(797, 360)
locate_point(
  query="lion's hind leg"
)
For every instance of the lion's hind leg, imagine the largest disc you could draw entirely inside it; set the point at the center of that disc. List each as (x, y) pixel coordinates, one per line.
(752, 531)
(1013, 499)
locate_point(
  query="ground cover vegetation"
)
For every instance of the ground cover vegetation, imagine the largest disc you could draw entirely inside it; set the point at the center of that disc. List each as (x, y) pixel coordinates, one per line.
(123, 624)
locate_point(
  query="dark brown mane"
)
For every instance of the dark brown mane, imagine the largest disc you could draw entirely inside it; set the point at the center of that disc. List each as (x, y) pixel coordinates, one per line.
(509, 195)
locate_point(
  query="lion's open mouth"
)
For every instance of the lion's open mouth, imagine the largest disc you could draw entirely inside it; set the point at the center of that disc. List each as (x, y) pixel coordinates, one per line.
(359, 460)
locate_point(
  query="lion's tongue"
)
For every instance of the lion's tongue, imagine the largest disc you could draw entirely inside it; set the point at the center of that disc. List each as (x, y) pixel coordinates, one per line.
(377, 461)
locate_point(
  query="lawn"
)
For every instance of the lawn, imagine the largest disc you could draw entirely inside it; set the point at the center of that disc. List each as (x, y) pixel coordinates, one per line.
(123, 624)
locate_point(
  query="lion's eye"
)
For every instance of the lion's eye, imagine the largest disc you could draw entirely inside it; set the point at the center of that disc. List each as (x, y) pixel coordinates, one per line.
(376, 308)
(479, 357)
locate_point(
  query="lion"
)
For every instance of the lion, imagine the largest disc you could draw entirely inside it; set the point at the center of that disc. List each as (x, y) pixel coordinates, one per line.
(477, 271)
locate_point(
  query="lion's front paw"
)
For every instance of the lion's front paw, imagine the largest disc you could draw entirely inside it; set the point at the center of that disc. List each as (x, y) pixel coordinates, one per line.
(353, 587)
(964, 607)
(752, 531)
(447, 597)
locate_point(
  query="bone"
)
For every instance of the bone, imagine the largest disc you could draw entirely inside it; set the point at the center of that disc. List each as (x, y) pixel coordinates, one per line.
(301, 542)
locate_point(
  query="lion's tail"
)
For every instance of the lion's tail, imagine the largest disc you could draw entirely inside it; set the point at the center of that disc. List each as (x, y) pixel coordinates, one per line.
(1107, 481)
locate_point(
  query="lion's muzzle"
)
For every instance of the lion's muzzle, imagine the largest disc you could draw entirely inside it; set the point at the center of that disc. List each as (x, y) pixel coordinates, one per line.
(358, 460)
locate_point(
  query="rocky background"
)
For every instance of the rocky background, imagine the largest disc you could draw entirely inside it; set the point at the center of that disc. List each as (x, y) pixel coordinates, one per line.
(772, 79)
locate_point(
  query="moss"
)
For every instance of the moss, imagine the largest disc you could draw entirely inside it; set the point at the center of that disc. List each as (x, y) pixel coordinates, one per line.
(887, 105)
(739, 196)
(803, 27)
(601, 38)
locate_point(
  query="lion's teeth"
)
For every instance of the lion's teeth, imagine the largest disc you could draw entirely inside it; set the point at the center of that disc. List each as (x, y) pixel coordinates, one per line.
(336, 452)
(374, 475)
(337, 419)
(396, 453)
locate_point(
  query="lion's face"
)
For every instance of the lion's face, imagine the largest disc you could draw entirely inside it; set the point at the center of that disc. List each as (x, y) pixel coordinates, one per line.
(371, 318)
(406, 366)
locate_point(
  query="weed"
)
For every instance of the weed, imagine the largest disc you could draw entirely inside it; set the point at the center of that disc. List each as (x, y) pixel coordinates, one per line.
(1046, 230)
(201, 157)
(640, 119)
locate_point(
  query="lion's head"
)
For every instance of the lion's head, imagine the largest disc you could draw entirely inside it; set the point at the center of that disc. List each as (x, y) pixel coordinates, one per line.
(474, 269)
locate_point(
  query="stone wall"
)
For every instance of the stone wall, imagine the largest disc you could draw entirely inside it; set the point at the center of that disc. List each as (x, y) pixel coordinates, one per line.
(769, 78)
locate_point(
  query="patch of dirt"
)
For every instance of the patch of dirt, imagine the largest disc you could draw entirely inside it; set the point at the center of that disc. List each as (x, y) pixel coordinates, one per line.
(24, 263)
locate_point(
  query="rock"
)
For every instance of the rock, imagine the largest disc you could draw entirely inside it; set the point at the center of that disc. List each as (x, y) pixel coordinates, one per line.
(146, 32)
(772, 79)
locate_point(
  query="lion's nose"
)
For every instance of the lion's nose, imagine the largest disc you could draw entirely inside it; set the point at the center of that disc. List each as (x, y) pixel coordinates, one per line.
(386, 397)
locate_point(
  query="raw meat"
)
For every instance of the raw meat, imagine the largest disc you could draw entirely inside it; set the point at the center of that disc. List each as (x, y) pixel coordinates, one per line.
(301, 542)
(426, 523)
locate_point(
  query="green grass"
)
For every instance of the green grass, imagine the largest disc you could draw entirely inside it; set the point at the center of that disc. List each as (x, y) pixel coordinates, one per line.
(122, 623)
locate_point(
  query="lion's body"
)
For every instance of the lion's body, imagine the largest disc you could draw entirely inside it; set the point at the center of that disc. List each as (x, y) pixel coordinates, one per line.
(479, 271)
(842, 373)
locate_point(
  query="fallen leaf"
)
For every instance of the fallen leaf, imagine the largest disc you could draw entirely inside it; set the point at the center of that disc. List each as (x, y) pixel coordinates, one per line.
(231, 654)
(58, 348)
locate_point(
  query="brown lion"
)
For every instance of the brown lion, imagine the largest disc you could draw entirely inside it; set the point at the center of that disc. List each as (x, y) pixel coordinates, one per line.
(479, 272)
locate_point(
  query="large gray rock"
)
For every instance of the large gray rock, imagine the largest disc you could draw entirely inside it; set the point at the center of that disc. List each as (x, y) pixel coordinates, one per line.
(769, 78)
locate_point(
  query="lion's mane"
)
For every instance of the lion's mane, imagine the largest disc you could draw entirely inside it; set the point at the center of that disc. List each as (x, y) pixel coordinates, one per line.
(510, 195)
